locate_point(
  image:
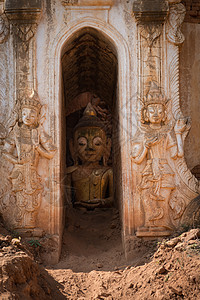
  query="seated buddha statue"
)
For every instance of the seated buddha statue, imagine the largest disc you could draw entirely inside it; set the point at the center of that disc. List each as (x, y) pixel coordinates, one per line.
(90, 179)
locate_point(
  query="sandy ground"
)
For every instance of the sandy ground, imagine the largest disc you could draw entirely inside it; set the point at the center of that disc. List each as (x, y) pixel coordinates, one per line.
(93, 265)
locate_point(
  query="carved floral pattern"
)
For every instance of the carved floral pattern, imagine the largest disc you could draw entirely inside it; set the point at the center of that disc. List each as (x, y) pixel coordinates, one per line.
(150, 54)
(24, 32)
(150, 33)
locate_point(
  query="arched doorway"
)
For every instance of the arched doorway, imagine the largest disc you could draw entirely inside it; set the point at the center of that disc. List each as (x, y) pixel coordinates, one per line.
(57, 119)
(89, 75)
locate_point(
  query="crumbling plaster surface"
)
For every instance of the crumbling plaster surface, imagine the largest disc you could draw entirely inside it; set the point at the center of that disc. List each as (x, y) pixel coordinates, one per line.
(190, 90)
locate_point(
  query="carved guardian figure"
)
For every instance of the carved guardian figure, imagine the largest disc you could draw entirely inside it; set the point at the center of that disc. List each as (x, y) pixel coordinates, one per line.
(154, 141)
(26, 142)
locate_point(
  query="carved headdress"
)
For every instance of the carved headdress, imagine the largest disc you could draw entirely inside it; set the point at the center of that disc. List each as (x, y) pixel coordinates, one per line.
(31, 101)
(90, 119)
(154, 96)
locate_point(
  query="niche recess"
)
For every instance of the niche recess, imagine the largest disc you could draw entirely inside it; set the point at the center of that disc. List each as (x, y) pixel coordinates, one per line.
(89, 73)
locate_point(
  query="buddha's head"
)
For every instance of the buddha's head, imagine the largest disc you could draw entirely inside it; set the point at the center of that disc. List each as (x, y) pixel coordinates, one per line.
(90, 143)
(30, 110)
(154, 107)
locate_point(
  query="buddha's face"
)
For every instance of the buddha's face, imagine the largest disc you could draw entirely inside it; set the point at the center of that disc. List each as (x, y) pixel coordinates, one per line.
(90, 143)
(155, 113)
(29, 116)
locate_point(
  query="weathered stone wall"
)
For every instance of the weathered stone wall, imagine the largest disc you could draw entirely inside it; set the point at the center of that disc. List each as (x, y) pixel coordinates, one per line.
(192, 11)
(190, 90)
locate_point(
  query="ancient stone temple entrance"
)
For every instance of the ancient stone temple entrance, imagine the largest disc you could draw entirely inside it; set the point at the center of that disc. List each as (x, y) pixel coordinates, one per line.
(90, 135)
(101, 79)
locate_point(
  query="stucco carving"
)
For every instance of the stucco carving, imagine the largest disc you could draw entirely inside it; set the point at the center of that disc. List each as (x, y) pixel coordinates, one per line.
(156, 142)
(150, 55)
(4, 28)
(24, 33)
(180, 164)
(4, 88)
(176, 16)
(25, 143)
(165, 185)
(150, 33)
(24, 17)
(24, 45)
(87, 2)
(4, 24)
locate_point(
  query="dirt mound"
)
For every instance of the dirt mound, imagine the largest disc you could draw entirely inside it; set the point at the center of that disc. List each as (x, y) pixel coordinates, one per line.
(93, 267)
(173, 272)
(20, 276)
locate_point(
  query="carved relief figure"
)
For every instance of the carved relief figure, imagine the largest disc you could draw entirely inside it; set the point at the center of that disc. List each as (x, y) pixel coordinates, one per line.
(154, 142)
(90, 180)
(176, 17)
(26, 142)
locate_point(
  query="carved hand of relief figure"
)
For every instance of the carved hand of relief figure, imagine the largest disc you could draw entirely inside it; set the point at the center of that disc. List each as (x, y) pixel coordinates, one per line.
(8, 150)
(180, 126)
(138, 152)
(43, 143)
(35, 138)
(181, 129)
(151, 141)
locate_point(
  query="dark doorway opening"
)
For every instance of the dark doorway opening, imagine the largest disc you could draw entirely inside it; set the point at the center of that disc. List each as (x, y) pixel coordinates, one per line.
(89, 73)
